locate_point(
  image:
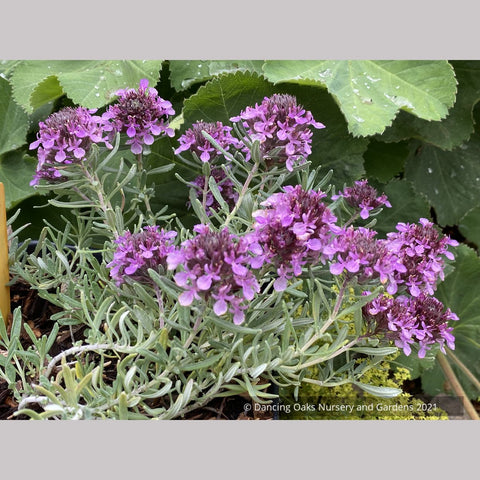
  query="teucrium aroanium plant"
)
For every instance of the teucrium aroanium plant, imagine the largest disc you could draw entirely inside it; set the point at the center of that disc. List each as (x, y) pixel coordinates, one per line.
(276, 277)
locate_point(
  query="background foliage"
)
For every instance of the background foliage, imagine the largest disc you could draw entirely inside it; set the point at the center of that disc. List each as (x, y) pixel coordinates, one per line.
(408, 126)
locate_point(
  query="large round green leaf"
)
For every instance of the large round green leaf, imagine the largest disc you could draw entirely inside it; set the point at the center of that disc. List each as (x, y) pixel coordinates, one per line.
(185, 73)
(90, 83)
(449, 180)
(370, 93)
(406, 207)
(13, 120)
(470, 226)
(457, 127)
(16, 172)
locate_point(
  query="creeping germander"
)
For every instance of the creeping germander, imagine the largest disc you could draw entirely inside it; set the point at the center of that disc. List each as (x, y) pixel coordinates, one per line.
(137, 252)
(406, 320)
(215, 269)
(65, 137)
(420, 248)
(293, 227)
(281, 126)
(141, 114)
(364, 197)
(358, 253)
(194, 141)
(225, 187)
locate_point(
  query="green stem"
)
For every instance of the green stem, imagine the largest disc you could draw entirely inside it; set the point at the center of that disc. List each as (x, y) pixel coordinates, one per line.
(324, 359)
(204, 193)
(330, 320)
(105, 206)
(161, 317)
(244, 191)
(146, 200)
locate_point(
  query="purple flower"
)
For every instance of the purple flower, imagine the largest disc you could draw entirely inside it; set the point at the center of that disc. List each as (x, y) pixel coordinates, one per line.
(363, 197)
(65, 137)
(215, 269)
(137, 252)
(293, 228)
(225, 187)
(420, 249)
(420, 320)
(141, 114)
(281, 126)
(358, 253)
(194, 140)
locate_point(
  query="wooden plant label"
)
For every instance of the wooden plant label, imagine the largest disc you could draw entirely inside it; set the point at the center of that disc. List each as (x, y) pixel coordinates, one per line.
(4, 274)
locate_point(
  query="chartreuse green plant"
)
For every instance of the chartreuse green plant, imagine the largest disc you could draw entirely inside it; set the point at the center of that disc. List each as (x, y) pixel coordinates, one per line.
(260, 270)
(345, 402)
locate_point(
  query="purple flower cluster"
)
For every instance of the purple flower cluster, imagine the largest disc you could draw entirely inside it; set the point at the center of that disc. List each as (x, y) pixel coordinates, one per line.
(363, 197)
(65, 137)
(420, 249)
(137, 252)
(360, 254)
(215, 268)
(141, 114)
(410, 258)
(225, 187)
(293, 228)
(194, 141)
(281, 126)
(407, 320)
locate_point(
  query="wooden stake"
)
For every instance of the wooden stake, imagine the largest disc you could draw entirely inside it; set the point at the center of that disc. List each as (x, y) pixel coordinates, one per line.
(4, 274)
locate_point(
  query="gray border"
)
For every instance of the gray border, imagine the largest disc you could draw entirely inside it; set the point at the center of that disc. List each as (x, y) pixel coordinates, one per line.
(254, 29)
(247, 29)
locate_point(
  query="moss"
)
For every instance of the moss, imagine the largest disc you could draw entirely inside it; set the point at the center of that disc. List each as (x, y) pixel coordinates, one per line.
(347, 402)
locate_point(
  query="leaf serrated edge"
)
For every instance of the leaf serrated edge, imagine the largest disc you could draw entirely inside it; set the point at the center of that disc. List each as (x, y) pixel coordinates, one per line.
(30, 109)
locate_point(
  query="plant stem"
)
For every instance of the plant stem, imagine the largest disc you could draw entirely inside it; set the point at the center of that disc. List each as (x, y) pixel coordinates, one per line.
(324, 359)
(161, 317)
(194, 332)
(146, 200)
(204, 193)
(464, 369)
(244, 191)
(105, 206)
(352, 219)
(330, 320)
(74, 351)
(455, 384)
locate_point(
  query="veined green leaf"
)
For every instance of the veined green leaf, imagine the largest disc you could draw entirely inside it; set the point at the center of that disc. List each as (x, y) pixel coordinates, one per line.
(370, 93)
(90, 83)
(13, 120)
(449, 180)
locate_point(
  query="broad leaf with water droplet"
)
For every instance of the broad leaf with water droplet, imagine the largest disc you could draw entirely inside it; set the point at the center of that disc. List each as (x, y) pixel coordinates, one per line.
(449, 180)
(90, 83)
(371, 93)
(185, 73)
(457, 127)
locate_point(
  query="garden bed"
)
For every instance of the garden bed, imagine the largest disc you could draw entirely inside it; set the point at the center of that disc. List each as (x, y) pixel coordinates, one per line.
(210, 230)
